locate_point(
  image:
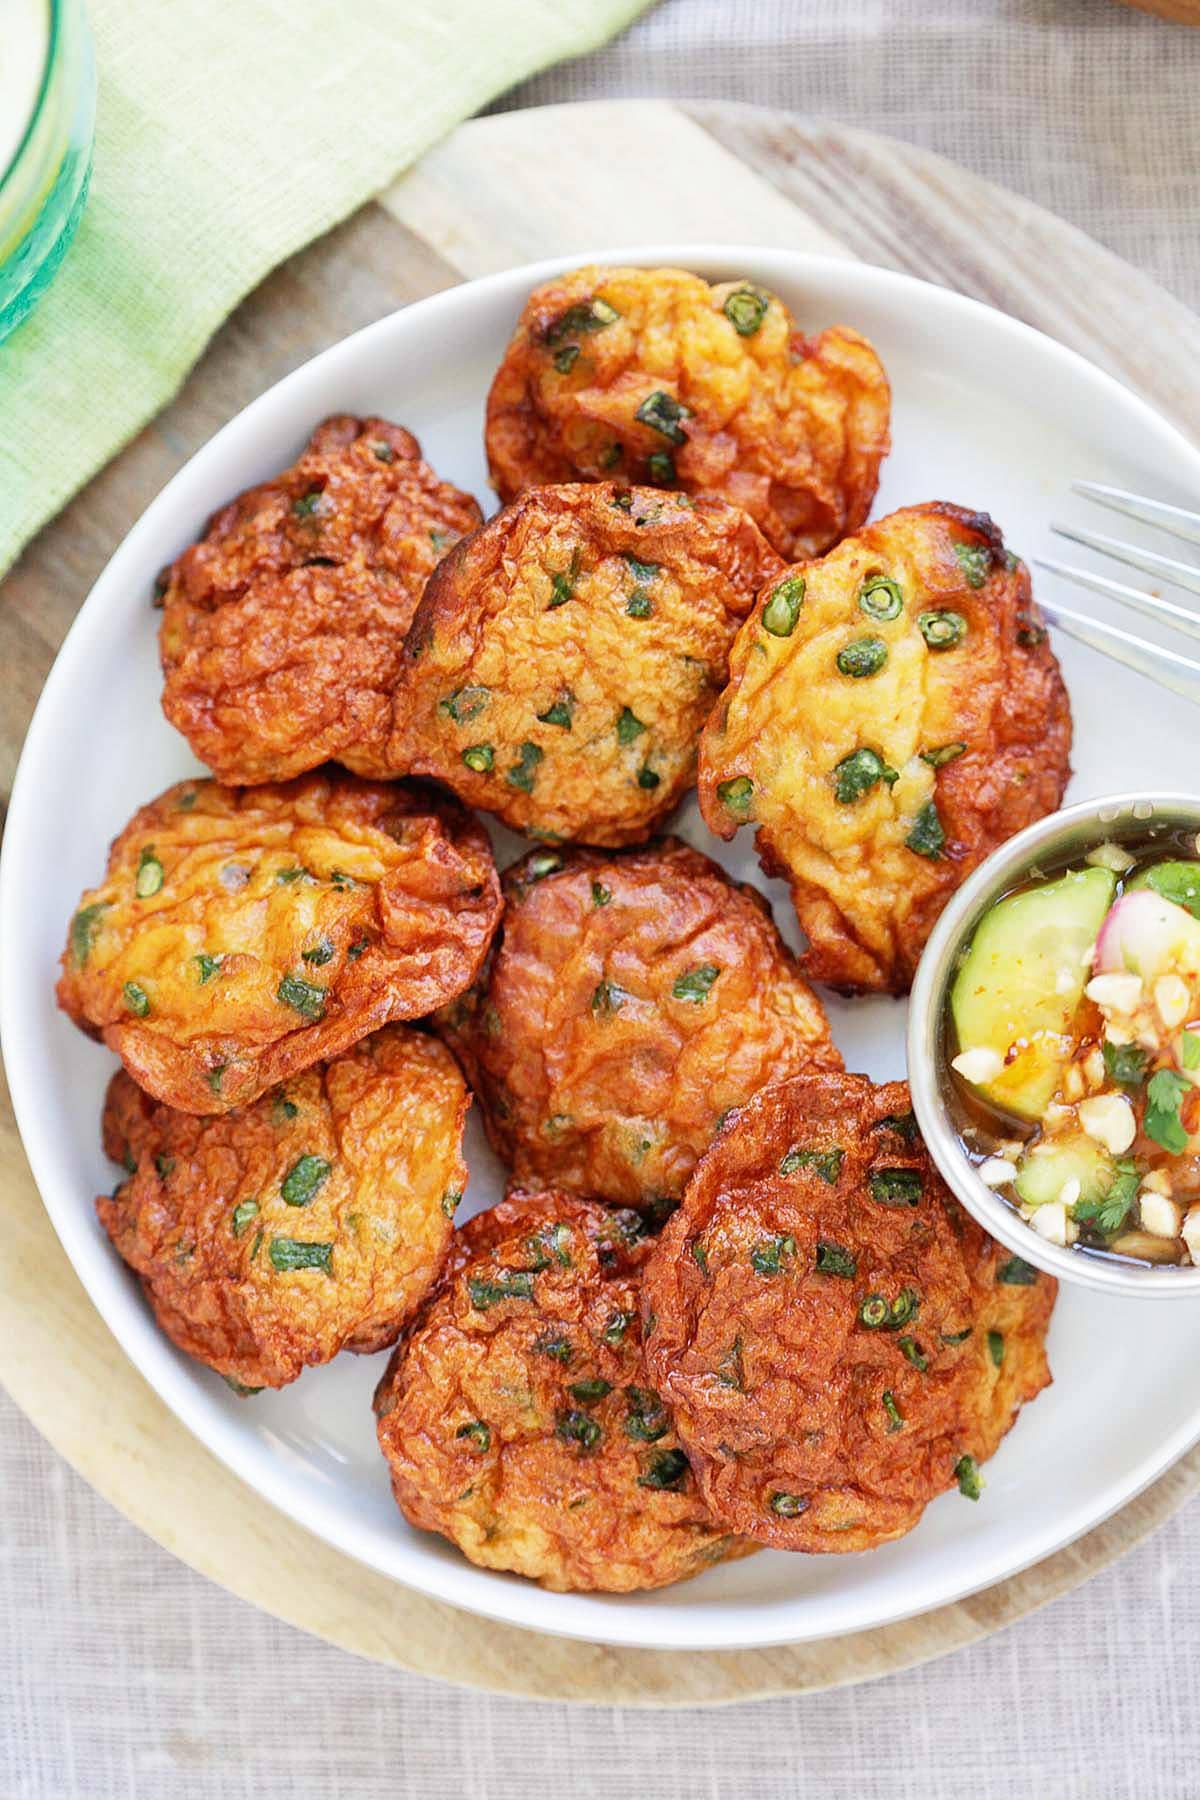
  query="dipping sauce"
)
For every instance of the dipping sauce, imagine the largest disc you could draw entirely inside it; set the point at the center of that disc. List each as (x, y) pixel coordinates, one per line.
(1074, 1040)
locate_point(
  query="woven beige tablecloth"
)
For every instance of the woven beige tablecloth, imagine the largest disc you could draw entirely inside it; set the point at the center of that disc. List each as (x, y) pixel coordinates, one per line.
(124, 1675)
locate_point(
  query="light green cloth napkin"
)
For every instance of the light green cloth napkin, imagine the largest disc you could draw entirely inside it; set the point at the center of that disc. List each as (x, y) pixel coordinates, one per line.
(229, 133)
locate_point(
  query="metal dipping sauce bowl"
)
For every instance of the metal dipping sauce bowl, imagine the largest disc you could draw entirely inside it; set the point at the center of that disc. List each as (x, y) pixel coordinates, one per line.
(1063, 838)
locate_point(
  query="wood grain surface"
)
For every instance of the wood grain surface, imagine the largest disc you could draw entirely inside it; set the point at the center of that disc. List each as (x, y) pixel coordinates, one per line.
(1181, 12)
(500, 191)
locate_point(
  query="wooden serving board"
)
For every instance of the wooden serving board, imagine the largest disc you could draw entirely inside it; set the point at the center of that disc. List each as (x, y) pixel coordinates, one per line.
(1182, 12)
(500, 191)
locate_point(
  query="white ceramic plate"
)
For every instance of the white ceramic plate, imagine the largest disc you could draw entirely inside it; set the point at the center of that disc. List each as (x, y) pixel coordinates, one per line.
(987, 413)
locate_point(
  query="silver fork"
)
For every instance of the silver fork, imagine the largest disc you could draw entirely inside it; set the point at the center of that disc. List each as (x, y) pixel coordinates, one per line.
(1170, 668)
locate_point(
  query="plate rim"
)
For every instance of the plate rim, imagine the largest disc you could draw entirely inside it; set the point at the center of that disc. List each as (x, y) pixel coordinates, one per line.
(441, 1578)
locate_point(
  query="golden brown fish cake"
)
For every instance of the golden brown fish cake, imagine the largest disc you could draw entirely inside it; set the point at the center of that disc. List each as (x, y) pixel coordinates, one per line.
(651, 375)
(840, 1342)
(516, 1417)
(894, 712)
(282, 627)
(631, 1000)
(564, 659)
(240, 935)
(312, 1221)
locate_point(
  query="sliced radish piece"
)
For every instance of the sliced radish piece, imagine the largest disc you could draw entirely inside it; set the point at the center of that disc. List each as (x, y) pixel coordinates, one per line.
(1148, 936)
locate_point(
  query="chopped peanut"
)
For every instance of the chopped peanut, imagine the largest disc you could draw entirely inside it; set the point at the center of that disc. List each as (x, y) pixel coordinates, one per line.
(1109, 1119)
(979, 1065)
(1172, 999)
(997, 1170)
(1050, 1222)
(1191, 1232)
(1115, 993)
(1110, 856)
(1160, 1217)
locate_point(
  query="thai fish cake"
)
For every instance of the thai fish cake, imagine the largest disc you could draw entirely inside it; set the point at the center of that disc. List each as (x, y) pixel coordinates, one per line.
(894, 712)
(838, 1339)
(311, 1221)
(240, 935)
(282, 627)
(631, 1000)
(564, 659)
(653, 376)
(516, 1416)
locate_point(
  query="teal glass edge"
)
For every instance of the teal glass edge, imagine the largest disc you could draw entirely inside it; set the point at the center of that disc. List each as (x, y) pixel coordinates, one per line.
(68, 89)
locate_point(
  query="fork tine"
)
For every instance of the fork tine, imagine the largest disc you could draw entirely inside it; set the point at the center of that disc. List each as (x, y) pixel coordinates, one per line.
(1183, 575)
(1177, 520)
(1179, 673)
(1182, 618)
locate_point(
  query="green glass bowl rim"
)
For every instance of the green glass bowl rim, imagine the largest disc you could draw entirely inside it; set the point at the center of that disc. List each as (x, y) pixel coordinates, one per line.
(57, 13)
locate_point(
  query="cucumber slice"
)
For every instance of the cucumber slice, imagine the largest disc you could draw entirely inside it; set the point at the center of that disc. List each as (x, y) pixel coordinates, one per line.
(1045, 1170)
(1022, 980)
(1177, 881)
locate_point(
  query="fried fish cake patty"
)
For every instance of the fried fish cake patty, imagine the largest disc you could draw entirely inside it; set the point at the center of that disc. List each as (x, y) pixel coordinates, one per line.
(631, 1000)
(516, 1416)
(564, 659)
(894, 712)
(240, 935)
(651, 375)
(282, 628)
(312, 1221)
(840, 1342)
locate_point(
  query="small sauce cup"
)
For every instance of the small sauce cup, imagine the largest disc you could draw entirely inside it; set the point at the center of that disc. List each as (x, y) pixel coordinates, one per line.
(47, 118)
(1064, 837)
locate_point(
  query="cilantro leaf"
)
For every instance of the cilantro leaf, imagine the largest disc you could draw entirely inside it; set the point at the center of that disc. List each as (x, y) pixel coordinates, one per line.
(1125, 1064)
(1110, 1211)
(1164, 1095)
